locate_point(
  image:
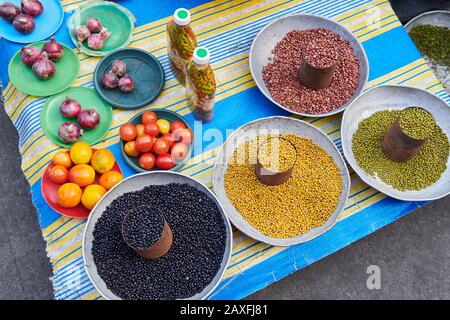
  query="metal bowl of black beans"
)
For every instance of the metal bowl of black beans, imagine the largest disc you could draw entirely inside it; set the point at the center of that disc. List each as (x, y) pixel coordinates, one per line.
(196, 261)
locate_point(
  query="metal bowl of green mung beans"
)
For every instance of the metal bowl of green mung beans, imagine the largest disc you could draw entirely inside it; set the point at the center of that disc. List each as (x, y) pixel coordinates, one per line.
(296, 211)
(424, 177)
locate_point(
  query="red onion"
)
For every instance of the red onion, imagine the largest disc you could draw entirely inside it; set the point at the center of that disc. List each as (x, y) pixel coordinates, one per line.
(81, 33)
(126, 84)
(70, 108)
(69, 132)
(29, 55)
(54, 50)
(94, 25)
(8, 11)
(110, 80)
(32, 7)
(88, 118)
(24, 23)
(97, 40)
(44, 68)
(119, 68)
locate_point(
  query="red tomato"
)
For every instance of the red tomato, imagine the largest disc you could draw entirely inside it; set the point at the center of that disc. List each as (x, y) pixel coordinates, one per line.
(128, 132)
(59, 174)
(179, 151)
(149, 117)
(144, 143)
(165, 161)
(183, 135)
(176, 125)
(169, 138)
(140, 129)
(161, 146)
(151, 129)
(147, 161)
(130, 149)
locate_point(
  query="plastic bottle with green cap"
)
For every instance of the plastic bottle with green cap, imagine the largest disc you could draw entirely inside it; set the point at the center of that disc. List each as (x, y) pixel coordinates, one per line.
(201, 84)
(181, 42)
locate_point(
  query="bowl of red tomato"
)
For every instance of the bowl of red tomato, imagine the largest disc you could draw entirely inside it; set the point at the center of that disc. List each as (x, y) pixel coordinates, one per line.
(156, 140)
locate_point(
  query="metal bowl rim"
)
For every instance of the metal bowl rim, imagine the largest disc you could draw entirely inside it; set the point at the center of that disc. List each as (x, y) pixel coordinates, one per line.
(229, 241)
(282, 242)
(268, 96)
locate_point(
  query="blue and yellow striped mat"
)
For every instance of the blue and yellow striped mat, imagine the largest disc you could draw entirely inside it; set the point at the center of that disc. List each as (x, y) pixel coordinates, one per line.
(227, 28)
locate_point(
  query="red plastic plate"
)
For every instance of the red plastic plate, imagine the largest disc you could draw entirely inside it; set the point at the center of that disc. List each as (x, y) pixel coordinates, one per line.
(50, 194)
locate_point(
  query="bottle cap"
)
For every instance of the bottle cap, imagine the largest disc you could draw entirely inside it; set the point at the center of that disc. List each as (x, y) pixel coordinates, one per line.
(182, 17)
(201, 55)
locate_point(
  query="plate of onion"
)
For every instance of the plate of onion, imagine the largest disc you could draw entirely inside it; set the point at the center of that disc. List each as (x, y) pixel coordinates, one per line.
(77, 114)
(100, 27)
(29, 21)
(44, 68)
(129, 78)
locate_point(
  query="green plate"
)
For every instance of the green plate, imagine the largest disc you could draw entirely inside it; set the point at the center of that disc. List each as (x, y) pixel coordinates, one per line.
(25, 80)
(117, 19)
(51, 118)
(161, 114)
(143, 67)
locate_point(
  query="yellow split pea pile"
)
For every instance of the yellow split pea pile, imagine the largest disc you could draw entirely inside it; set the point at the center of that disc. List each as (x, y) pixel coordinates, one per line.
(304, 202)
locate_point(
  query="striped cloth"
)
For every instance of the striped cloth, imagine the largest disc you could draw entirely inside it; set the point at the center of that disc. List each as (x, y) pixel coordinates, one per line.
(227, 28)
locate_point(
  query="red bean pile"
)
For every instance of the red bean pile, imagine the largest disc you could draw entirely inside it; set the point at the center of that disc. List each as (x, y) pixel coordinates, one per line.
(321, 53)
(281, 75)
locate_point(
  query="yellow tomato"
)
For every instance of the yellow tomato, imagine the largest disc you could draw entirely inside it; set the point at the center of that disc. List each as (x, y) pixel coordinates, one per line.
(102, 160)
(69, 195)
(109, 179)
(81, 152)
(164, 125)
(91, 195)
(62, 158)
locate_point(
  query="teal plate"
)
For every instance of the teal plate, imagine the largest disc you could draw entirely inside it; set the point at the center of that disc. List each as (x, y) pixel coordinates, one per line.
(51, 118)
(161, 114)
(144, 68)
(117, 19)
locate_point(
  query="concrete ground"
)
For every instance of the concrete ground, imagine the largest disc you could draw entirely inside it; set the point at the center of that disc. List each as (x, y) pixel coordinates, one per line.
(413, 253)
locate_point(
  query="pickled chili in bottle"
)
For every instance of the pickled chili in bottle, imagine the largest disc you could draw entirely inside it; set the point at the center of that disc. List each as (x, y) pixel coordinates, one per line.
(201, 84)
(181, 42)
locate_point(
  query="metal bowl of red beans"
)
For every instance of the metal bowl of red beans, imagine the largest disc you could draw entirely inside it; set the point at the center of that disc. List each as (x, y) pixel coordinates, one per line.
(157, 139)
(279, 49)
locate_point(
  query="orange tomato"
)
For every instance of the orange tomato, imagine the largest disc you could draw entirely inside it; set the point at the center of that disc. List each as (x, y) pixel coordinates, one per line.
(128, 132)
(130, 149)
(80, 153)
(140, 130)
(102, 160)
(82, 174)
(91, 195)
(109, 179)
(59, 174)
(148, 117)
(69, 195)
(62, 158)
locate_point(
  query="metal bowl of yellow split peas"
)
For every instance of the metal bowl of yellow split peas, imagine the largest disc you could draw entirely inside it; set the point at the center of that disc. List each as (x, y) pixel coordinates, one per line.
(295, 211)
(424, 177)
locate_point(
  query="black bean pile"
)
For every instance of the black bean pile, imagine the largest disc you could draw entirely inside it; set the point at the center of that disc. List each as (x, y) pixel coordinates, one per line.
(199, 238)
(142, 227)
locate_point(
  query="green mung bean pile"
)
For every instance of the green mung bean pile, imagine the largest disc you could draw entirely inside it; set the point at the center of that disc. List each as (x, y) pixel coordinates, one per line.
(417, 123)
(423, 170)
(305, 201)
